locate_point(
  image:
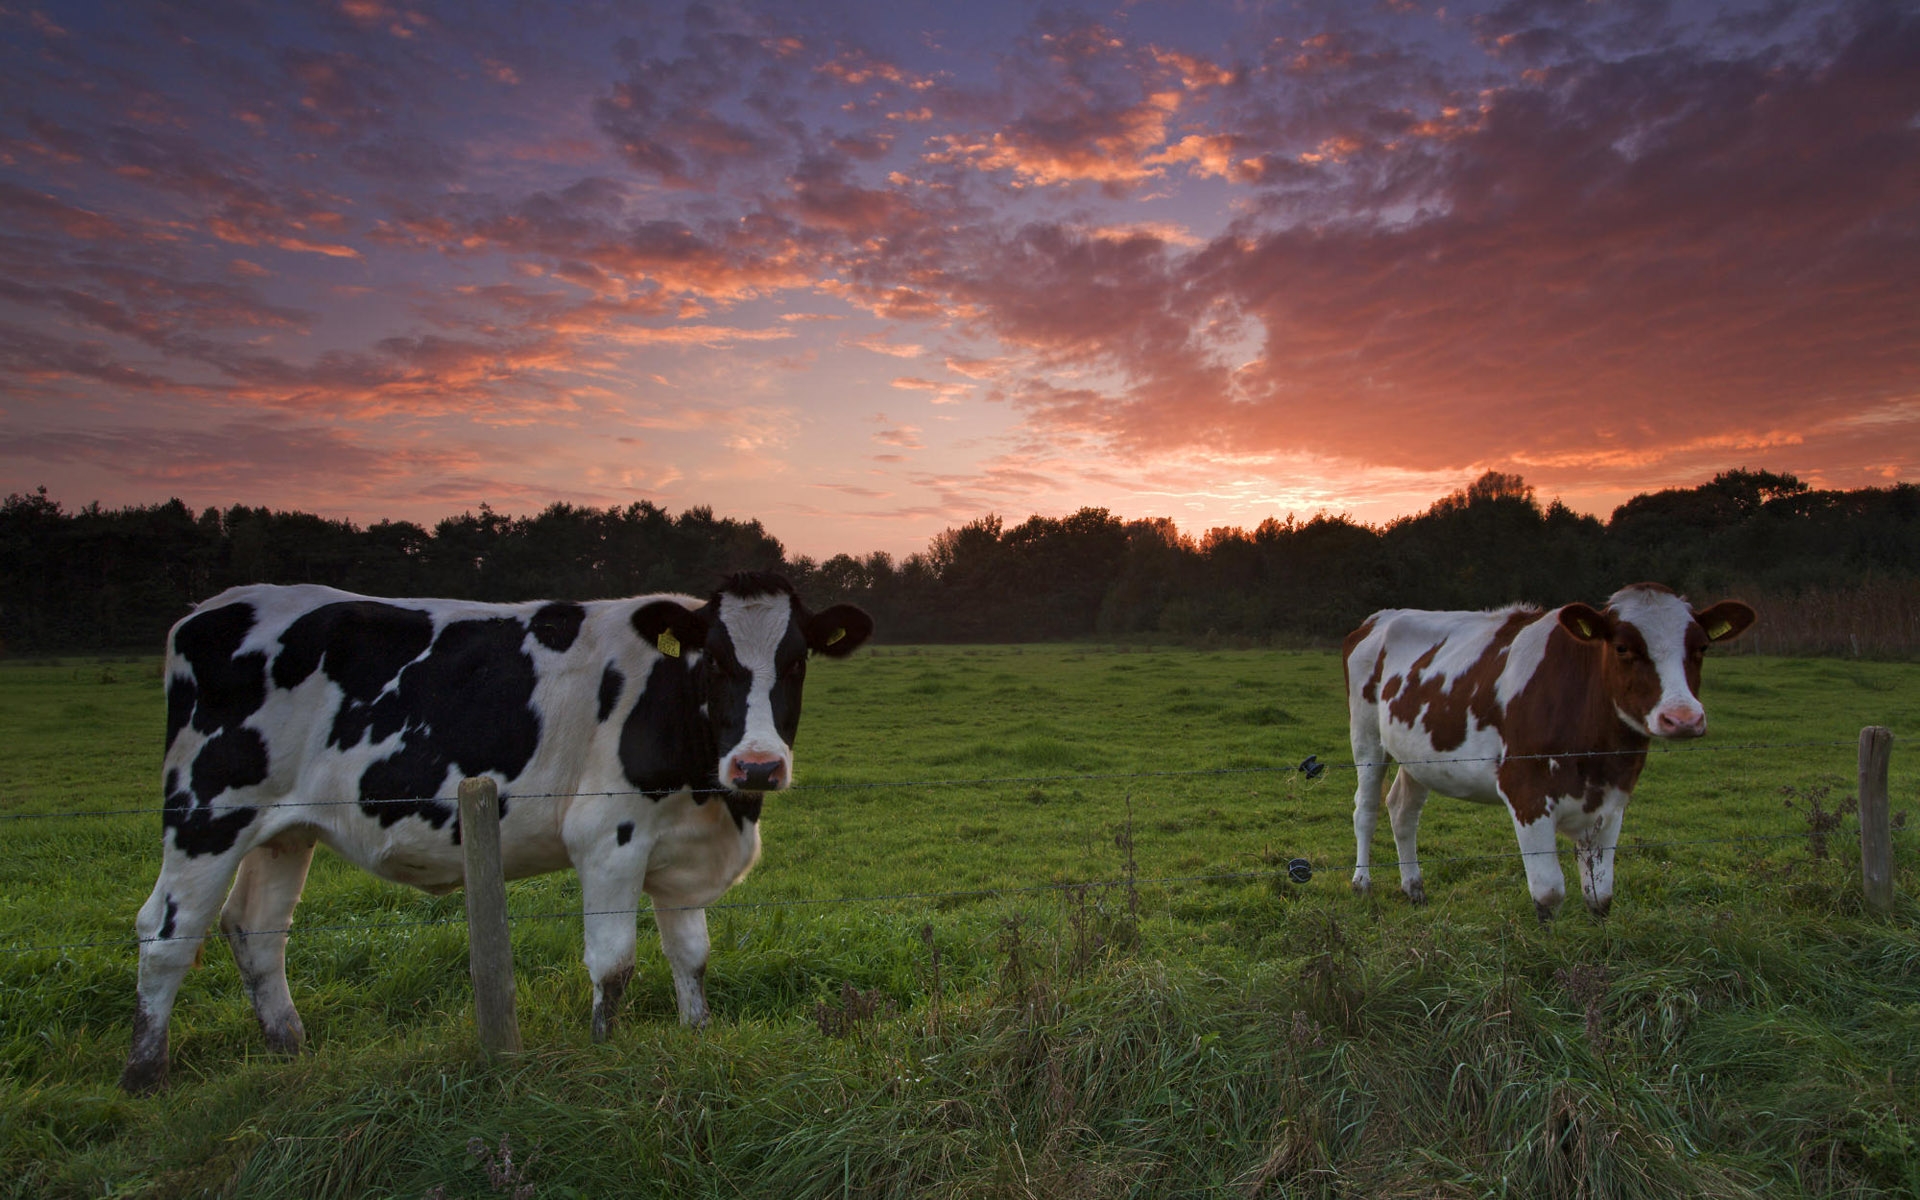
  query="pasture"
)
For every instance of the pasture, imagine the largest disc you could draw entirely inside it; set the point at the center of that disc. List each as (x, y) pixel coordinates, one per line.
(907, 1003)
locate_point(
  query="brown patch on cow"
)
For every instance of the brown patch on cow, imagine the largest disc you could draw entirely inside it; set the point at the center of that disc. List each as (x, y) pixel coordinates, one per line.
(1347, 647)
(1442, 708)
(1392, 687)
(1696, 642)
(1407, 704)
(1563, 737)
(1629, 676)
(1371, 692)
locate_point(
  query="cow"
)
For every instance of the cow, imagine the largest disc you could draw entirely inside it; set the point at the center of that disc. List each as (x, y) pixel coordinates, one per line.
(1548, 713)
(633, 740)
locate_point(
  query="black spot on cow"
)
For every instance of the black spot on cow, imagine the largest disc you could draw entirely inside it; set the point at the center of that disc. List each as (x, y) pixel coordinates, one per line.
(221, 689)
(727, 684)
(467, 706)
(611, 681)
(362, 644)
(623, 832)
(790, 666)
(232, 758)
(181, 695)
(664, 744)
(556, 625)
(197, 829)
(173, 910)
(228, 686)
(747, 585)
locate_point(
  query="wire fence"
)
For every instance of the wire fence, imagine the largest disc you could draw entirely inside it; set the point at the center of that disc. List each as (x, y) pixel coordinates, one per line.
(1298, 869)
(1312, 767)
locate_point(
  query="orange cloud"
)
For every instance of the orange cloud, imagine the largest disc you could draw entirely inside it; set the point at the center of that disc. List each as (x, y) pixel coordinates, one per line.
(942, 393)
(880, 345)
(1068, 144)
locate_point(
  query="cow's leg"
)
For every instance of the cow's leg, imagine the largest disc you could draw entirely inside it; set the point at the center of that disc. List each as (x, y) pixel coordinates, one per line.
(172, 926)
(1596, 861)
(1404, 802)
(683, 935)
(610, 895)
(1369, 759)
(1542, 859)
(255, 919)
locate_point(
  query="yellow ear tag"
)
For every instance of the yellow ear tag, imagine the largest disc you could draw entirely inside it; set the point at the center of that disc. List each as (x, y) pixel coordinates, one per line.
(1719, 629)
(837, 635)
(669, 644)
(1586, 630)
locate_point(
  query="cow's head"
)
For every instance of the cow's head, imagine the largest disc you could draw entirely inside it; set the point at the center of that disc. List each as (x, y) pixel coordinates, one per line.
(747, 651)
(1653, 642)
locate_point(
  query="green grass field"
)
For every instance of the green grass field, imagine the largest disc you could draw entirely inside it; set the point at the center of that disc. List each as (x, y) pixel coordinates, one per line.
(905, 1007)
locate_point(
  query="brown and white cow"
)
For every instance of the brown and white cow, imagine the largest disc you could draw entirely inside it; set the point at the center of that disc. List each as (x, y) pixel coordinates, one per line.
(1547, 713)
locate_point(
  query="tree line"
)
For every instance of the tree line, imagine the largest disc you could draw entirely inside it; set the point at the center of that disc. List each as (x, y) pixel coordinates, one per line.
(98, 579)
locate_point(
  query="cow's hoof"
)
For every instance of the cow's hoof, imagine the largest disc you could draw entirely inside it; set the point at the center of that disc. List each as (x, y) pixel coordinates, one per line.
(1600, 908)
(1362, 887)
(144, 1078)
(1416, 891)
(288, 1039)
(1545, 910)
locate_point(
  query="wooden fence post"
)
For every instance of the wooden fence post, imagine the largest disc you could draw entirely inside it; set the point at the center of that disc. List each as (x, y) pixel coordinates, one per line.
(489, 952)
(1876, 833)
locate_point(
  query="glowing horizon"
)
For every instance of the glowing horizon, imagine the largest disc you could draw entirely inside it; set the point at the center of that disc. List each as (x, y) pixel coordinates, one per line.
(870, 272)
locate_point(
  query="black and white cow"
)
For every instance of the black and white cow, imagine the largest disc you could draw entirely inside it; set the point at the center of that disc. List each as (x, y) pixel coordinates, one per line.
(632, 740)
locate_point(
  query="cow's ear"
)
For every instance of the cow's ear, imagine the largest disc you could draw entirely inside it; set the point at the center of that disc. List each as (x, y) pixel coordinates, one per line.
(1586, 623)
(838, 631)
(1727, 619)
(671, 628)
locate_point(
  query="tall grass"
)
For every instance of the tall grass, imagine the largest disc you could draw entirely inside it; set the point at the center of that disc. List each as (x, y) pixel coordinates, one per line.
(1879, 618)
(1387, 1054)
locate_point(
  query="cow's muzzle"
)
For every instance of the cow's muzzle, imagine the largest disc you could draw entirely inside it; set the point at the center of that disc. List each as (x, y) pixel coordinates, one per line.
(1680, 723)
(756, 773)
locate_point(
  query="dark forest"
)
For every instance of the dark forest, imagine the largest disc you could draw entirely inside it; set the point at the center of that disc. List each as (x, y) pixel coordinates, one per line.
(1834, 572)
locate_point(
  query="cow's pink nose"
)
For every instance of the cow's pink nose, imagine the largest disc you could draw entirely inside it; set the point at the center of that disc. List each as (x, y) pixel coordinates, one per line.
(755, 774)
(1682, 722)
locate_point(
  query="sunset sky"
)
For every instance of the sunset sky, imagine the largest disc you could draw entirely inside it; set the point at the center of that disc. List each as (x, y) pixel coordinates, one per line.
(865, 271)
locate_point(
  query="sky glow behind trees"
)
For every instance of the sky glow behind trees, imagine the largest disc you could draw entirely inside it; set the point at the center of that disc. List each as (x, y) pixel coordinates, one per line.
(864, 272)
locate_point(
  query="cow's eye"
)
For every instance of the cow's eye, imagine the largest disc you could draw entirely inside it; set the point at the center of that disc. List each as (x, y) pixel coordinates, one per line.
(1626, 655)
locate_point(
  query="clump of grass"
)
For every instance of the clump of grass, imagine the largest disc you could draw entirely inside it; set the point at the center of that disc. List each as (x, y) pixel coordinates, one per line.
(504, 1176)
(1822, 822)
(854, 1011)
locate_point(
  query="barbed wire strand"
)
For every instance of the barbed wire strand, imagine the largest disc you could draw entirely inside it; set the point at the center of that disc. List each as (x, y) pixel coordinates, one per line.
(1312, 767)
(1064, 887)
